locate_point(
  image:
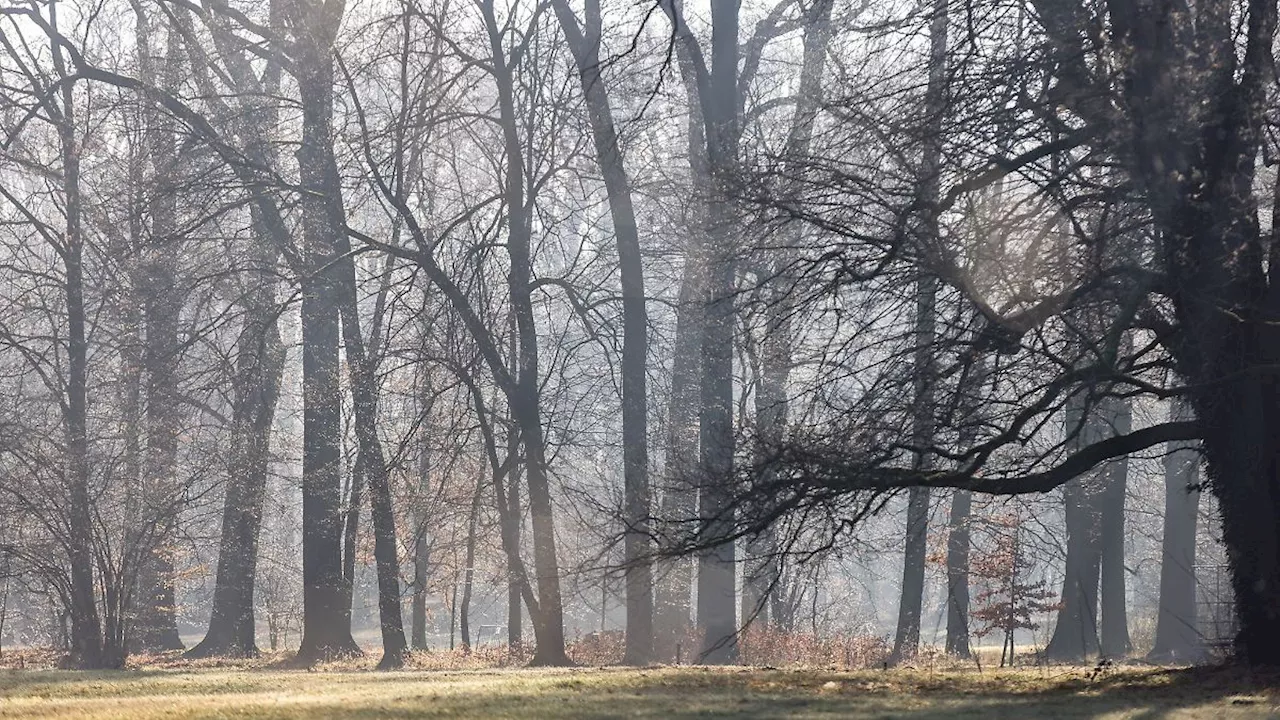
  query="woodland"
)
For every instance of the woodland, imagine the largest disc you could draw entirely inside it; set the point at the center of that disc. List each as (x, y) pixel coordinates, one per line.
(379, 327)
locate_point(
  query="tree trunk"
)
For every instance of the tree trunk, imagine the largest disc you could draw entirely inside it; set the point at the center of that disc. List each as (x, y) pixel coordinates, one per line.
(1177, 635)
(87, 645)
(1075, 636)
(717, 606)
(672, 611)
(585, 45)
(421, 544)
(326, 630)
(525, 399)
(259, 368)
(515, 581)
(473, 519)
(673, 615)
(772, 398)
(907, 640)
(362, 366)
(1114, 641)
(958, 573)
(155, 627)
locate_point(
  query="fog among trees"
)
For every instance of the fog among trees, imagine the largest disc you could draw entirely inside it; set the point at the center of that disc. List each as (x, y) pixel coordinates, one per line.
(699, 333)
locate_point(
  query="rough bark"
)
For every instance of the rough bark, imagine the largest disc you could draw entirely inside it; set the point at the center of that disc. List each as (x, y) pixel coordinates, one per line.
(326, 621)
(1191, 111)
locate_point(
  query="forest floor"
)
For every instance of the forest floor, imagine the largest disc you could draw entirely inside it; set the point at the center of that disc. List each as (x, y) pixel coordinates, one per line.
(683, 692)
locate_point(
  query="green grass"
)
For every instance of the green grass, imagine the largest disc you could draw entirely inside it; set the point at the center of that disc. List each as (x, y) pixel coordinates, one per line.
(141, 694)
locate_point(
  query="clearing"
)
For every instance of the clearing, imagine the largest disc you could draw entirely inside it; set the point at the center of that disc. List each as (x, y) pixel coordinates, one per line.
(682, 692)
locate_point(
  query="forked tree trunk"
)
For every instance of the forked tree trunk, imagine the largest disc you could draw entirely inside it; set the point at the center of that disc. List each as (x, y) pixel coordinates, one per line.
(525, 396)
(673, 610)
(362, 366)
(259, 367)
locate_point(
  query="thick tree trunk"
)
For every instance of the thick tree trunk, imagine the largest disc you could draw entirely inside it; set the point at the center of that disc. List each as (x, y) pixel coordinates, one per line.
(907, 640)
(673, 609)
(1114, 640)
(155, 627)
(1075, 636)
(326, 629)
(717, 606)
(1243, 459)
(259, 368)
(1177, 635)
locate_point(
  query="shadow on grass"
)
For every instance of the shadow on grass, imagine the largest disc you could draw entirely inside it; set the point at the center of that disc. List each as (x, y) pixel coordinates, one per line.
(1147, 694)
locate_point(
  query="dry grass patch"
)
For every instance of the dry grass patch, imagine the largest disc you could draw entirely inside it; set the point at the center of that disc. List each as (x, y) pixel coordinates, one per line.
(341, 692)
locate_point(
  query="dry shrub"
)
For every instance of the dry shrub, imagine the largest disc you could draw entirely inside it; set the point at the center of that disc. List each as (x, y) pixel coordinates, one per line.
(479, 657)
(33, 659)
(767, 647)
(598, 649)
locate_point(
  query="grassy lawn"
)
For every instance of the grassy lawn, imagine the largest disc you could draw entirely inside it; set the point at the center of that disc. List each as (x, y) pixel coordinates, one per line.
(652, 693)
